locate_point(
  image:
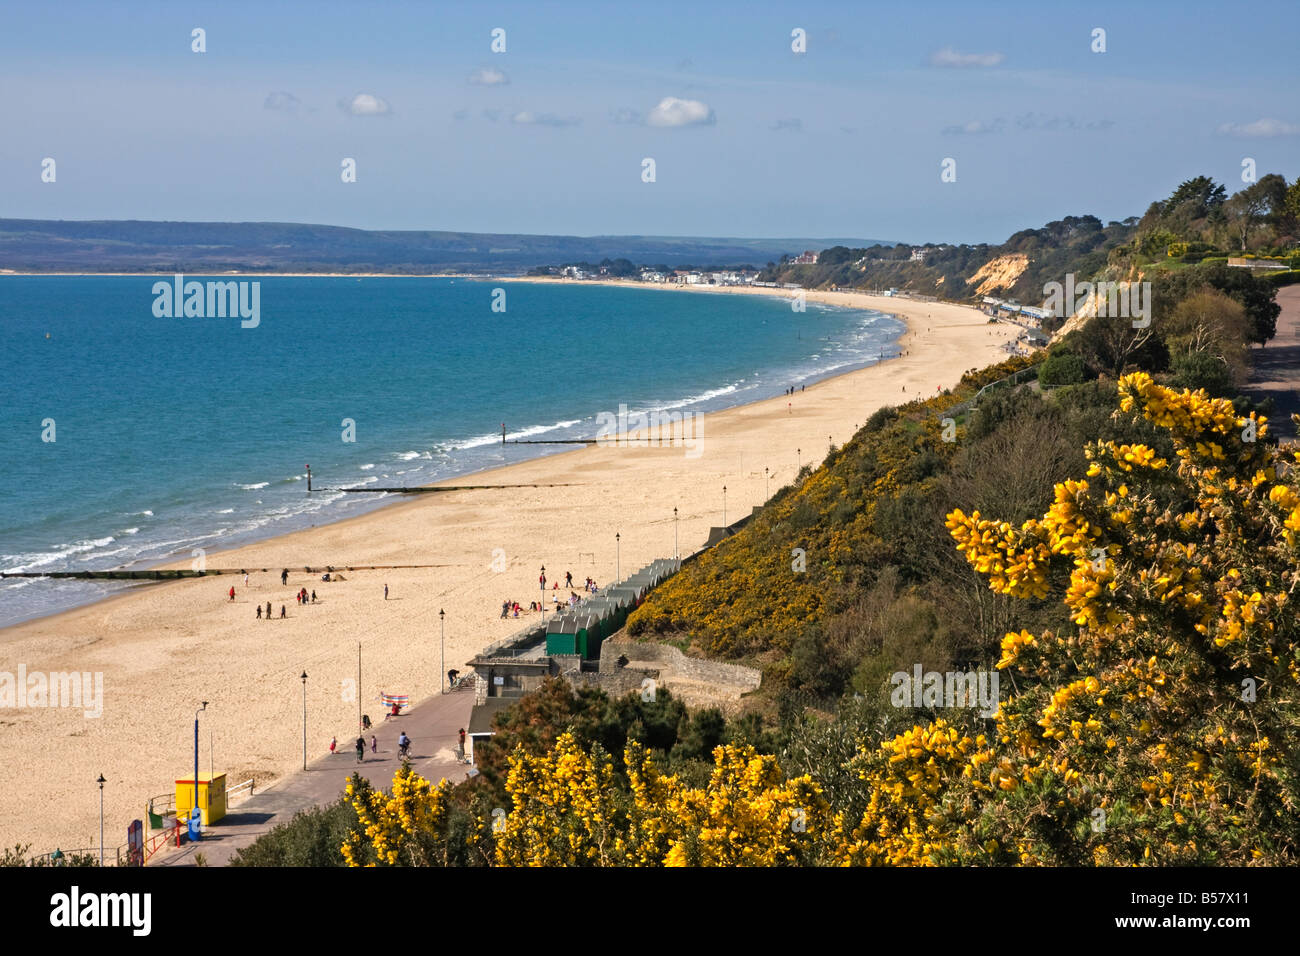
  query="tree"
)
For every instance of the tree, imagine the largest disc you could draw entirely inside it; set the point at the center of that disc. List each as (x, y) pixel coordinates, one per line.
(1110, 343)
(1256, 296)
(1248, 208)
(1292, 201)
(1211, 324)
(1200, 195)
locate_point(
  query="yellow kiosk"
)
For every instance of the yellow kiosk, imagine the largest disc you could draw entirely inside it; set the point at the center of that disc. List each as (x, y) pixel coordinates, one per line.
(212, 797)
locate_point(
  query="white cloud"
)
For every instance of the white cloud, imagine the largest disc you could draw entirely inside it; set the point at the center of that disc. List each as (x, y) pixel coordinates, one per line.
(950, 57)
(280, 100)
(974, 128)
(365, 104)
(489, 77)
(529, 118)
(1259, 128)
(674, 112)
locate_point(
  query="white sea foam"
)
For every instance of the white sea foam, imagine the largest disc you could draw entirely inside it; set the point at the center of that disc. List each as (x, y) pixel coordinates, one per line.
(479, 441)
(255, 487)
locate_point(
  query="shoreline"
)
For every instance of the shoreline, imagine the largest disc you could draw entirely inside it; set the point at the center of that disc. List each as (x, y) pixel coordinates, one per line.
(177, 560)
(164, 648)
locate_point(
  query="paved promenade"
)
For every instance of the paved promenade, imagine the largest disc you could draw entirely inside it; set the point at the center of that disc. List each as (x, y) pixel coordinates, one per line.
(432, 727)
(1277, 366)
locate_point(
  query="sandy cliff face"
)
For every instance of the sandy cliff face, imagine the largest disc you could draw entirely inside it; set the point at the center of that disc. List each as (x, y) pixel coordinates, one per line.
(999, 273)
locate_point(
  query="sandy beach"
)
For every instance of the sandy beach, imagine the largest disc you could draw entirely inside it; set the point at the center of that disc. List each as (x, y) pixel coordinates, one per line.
(164, 648)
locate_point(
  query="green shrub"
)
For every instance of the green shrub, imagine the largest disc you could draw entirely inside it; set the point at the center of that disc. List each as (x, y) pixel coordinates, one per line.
(1200, 370)
(1062, 368)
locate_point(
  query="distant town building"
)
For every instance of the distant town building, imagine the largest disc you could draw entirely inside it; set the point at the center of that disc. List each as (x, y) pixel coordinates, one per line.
(807, 259)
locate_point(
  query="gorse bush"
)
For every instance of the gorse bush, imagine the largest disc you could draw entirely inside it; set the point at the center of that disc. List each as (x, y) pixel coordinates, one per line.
(1154, 726)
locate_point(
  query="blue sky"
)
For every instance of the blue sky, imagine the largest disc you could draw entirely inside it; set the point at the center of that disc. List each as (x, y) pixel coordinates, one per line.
(843, 140)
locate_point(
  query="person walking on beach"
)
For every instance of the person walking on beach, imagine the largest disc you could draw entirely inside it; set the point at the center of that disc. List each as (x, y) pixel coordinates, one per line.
(374, 744)
(313, 597)
(361, 749)
(259, 612)
(245, 580)
(568, 579)
(334, 746)
(282, 614)
(385, 592)
(232, 592)
(284, 577)
(268, 610)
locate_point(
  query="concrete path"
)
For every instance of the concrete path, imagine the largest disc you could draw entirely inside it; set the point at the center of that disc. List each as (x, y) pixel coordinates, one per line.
(432, 726)
(1277, 366)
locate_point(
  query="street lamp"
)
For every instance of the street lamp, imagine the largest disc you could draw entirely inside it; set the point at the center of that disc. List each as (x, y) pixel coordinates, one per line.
(442, 624)
(304, 720)
(798, 455)
(541, 583)
(196, 756)
(101, 783)
(724, 506)
(767, 488)
(677, 554)
(618, 559)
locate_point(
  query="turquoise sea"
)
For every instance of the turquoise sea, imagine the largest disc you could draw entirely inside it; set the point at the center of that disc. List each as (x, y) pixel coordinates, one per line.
(174, 434)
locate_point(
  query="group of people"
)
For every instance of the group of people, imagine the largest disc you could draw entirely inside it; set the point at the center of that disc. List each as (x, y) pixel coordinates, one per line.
(403, 745)
(512, 608)
(302, 597)
(790, 390)
(283, 612)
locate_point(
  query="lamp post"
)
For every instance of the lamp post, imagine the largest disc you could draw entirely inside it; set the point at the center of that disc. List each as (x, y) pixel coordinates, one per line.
(541, 583)
(767, 487)
(196, 756)
(442, 624)
(304, 720)
(210, 771)
(677, 554)
(101, 783)
(798, 455)
(618, 558)
(724, 506)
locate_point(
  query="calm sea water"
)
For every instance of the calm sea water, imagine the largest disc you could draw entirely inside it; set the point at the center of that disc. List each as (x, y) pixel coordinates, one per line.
(173, 434)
